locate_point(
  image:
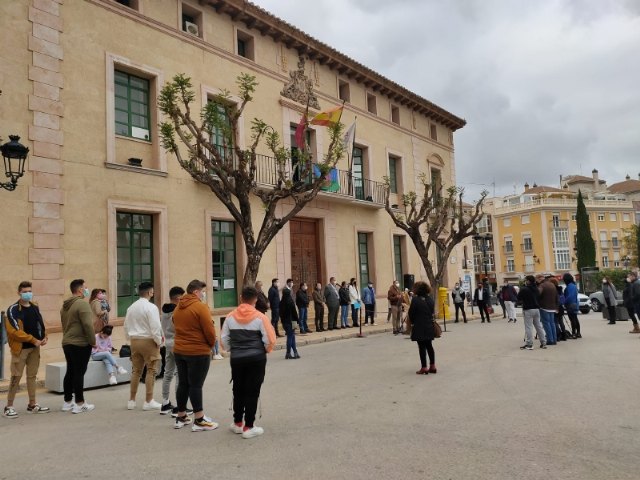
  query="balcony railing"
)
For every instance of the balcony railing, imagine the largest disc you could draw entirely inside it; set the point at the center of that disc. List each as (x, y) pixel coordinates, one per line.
(509, 268)
(615, 244)
(605, 244)
(526, 247)
(529, 267)
(507, 248)
(337, 182)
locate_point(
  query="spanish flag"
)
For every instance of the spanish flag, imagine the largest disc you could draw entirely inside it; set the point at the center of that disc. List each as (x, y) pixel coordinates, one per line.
(328, 117)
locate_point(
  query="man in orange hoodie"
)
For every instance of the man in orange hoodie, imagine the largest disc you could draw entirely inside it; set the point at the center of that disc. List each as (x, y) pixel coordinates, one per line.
(248, 335)
(194, 338)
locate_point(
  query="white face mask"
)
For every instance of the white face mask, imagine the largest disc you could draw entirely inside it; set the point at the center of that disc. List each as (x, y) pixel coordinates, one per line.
(203, 296)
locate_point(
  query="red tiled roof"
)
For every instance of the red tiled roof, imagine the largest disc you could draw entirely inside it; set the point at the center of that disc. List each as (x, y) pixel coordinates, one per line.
(627, 186)
(543, 189)
(569, 179)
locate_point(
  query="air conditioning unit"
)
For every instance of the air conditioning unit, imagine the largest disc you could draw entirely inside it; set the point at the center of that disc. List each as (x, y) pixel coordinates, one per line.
(191, 28)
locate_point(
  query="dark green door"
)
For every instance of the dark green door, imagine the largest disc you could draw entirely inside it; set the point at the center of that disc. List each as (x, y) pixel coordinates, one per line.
(225, 290)
(358, 174)
(135, 256)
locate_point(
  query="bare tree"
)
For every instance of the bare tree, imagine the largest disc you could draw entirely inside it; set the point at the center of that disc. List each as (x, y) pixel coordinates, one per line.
(433, 219)
(231, 172)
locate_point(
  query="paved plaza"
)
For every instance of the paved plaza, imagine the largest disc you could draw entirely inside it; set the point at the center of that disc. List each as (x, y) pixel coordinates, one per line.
(355, 409)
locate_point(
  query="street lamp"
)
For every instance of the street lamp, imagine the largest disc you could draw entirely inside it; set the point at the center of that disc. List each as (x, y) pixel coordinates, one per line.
(626, 261)
(14, 155)
(483, 241)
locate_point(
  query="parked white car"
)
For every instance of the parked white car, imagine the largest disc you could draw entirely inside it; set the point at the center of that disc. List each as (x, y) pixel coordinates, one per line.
(597, 300)
(584, 303)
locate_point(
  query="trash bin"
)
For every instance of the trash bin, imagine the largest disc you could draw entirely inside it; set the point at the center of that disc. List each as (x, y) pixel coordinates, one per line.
(443, 302)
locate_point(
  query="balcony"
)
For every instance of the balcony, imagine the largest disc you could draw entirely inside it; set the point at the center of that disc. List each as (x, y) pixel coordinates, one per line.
(510, 268)
(507, 249)
(615, 244)
(529, 267)
(605, 244)
(338, 184)
(526, 247)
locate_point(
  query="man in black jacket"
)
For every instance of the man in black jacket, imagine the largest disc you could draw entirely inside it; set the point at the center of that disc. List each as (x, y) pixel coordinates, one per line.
(274, 302)
(528, 295)
(482, 297)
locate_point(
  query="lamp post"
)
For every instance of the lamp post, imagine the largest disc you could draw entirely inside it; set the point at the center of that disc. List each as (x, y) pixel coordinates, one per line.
(483, 242)
(14, 155)
(626, 261)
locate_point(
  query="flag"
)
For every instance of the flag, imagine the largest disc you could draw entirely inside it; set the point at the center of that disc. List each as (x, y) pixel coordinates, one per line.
(328, 117)
(330, 182)
(300, 132)
(349, 138)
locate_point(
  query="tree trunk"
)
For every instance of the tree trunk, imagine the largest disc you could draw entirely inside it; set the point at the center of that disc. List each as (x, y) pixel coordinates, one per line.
(253, 266)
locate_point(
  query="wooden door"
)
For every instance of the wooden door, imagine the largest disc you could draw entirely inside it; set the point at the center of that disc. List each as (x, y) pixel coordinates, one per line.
(305, 265)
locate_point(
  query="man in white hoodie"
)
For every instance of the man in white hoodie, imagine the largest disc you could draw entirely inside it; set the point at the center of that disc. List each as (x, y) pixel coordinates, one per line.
(142, 329)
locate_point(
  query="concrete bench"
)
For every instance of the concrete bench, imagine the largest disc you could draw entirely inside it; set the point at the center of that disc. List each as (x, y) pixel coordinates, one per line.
(96, 375)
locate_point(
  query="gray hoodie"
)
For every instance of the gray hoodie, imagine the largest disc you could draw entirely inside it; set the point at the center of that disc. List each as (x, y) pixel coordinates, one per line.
(169, 329)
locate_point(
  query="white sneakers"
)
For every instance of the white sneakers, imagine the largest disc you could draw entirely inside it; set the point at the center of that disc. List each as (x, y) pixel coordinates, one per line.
(112, 380)
(68, 406)
(85, 407)
(253, 432)
(236, 428)
(152, 405)
(217, 356)
(122, 371)
(131, 404)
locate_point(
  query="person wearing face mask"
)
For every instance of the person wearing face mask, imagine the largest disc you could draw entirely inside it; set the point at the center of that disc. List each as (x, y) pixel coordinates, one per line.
(333, 303)
(26, 334)
(458, 296)
(78, 339)
(100, 316)
(318, 307)
(194, 337)
(394, 295)
(288, 315)
(369, 299)
(354, 300)
(302, 302)
(509, 298)
(274, 303)
(628, 300)
(610, 299)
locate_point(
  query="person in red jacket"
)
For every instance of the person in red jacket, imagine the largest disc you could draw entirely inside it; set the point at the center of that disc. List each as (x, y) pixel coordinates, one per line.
(194, 338)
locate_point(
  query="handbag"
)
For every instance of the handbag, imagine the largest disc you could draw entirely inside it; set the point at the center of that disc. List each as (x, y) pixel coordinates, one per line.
(437, 329)
(490, 309)
(125, 351)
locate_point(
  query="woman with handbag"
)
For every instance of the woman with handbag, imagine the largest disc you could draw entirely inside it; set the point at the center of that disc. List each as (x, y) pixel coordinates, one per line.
(423, 331)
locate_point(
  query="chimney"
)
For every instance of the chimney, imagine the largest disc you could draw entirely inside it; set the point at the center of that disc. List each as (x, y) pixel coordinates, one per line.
(526, 186)
(627, 177)
(596, 179)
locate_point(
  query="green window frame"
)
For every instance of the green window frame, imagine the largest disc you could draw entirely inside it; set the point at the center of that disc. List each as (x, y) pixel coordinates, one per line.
(397, 258)
(132, 111)
(393, 174)
(363, 257)
(358, 173)
(223, 256)
(134, 232)
(217, 135)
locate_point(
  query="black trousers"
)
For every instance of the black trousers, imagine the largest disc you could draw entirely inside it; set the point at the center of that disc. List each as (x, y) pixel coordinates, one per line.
(319, 318)
(632, 315)
(275, 316)
(426, 347)
(483, 310)
(460, 307)
(77, 361)
(333, 316)
(612, 313)
(247, 380)
(369, 312)
(192, 372)
(575, 323)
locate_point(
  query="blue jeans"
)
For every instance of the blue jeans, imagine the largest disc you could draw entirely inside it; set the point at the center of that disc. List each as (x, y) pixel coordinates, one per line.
(107, 359)
(291, 338)
(549, 324)
(355, 313)
(302, 319)
(344, 314)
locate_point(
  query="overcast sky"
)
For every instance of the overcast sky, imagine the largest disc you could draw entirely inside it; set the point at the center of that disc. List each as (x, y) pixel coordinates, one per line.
(548, 87)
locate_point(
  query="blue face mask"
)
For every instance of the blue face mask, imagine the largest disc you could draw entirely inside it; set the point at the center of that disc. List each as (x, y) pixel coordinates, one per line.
(26, 296)
(86, 292)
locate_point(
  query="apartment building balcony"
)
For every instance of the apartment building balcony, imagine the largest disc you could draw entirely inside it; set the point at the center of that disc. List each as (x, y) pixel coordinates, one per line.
(339, 184)
(507, 249)
(563, 204)
(529, 267)
(605, 244)
(510, 268)
(526, 247)
(615, 244)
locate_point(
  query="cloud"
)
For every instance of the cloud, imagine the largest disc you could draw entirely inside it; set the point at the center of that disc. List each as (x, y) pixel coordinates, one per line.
(547, 87)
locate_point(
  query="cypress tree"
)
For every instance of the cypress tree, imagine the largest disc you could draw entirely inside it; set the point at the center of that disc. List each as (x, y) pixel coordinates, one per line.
(586, 247)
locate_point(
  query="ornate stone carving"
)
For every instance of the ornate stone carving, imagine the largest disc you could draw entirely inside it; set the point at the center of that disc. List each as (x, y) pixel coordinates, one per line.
(300, 87)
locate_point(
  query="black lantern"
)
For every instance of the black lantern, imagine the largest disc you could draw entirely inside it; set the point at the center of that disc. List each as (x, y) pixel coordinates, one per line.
(14, 155)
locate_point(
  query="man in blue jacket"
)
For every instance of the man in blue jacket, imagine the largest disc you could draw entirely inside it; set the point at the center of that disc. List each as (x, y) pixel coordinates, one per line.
(369, 300)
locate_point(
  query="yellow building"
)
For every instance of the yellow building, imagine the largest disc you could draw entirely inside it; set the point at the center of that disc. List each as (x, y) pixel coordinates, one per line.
(535, 231)
(80, 81)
